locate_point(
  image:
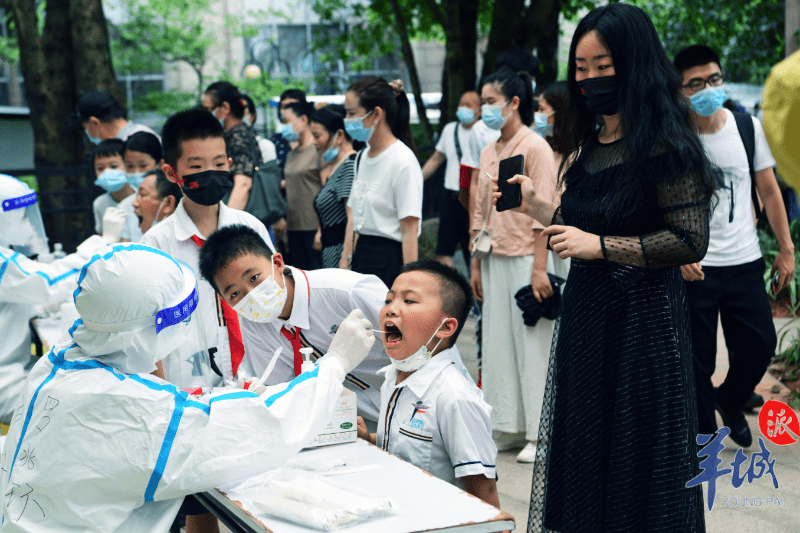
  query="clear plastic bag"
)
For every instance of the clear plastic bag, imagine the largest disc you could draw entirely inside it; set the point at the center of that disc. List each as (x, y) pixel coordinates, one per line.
(312, 501)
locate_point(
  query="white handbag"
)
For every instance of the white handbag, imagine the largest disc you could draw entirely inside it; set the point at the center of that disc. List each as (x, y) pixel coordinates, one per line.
(481, 245)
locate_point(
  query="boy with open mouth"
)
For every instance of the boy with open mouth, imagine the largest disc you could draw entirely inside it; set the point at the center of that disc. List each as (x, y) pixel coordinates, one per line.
(431, 415)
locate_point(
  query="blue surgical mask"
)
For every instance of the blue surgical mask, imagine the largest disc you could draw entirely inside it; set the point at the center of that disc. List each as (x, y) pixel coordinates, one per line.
(95, 140)
(540, 124)
(332, 152)
(221, 120)
(135, 178)
(288, 133)
(493, 115)
(112, 179)
(465, 115)
(708, 101)
(355, 128)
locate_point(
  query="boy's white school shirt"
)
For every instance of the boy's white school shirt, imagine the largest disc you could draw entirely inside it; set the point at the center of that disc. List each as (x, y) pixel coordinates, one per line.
(334, 294)
(437, 421)
(173, 235)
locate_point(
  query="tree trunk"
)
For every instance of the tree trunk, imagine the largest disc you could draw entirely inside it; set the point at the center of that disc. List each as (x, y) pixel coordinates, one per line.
(453, 62)
(43, 102)
(461, 32)
(92, 53)
(547, 48)
(512, 22)
(506, 17)
(408, 55)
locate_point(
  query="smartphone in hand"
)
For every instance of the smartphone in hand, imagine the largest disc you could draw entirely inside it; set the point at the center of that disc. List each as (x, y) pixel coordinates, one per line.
(511, 193)
(774, 284)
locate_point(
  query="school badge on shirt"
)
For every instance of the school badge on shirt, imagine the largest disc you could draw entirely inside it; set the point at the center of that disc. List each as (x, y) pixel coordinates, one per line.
(421, 409)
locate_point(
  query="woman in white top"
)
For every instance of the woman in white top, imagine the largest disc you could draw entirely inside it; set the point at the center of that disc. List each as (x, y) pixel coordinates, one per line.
(386, 198)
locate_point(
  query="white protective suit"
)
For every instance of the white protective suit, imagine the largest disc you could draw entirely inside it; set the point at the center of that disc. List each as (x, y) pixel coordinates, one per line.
(25, 283)
(94, 447)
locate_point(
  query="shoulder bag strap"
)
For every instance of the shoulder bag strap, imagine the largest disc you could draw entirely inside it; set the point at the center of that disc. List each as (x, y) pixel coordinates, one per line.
(744, 123)
(458, 144)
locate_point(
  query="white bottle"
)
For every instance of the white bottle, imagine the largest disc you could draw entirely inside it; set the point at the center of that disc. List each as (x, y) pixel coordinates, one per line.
(58, 251)
(307, 365)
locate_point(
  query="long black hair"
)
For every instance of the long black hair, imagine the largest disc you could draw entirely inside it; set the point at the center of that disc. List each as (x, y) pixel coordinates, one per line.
(224, 91)
(373, 92)
(513, 84)
(557, 96)
(654, 113)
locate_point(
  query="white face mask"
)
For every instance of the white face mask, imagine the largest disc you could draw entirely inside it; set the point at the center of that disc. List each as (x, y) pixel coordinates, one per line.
(155, 220)
(265, 302)
(418, 359)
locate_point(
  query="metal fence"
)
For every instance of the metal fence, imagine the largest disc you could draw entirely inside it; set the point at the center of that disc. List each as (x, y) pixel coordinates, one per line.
(65, 200)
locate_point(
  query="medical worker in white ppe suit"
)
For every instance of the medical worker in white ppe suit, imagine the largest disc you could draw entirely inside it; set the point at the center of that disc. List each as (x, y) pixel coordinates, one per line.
(99, 445)
(25, 283)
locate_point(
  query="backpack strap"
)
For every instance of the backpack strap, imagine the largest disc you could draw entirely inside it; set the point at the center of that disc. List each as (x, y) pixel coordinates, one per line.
(358, 160)
(744, 123)
(458, 144)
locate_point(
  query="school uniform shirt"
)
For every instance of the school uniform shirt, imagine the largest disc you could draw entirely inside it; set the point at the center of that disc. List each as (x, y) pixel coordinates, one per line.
(447, 146)
(387, 188)
(322, 300)
(437, 421)
(732, 237)
(480, 136)
(99, 206)
(174, 236)
(132, 232)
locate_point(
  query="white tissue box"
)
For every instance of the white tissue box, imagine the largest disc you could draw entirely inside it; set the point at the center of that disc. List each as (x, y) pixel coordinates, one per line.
(342, 425)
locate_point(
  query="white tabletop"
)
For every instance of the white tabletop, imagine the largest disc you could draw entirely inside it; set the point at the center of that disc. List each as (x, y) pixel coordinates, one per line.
(49, 330)
(425, 502)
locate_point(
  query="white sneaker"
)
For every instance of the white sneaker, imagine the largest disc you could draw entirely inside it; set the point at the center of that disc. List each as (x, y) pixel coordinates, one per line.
(508, 441)
(528, 453)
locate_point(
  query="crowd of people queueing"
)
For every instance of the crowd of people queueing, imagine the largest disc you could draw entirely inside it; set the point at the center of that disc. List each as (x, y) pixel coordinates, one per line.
(636, 211)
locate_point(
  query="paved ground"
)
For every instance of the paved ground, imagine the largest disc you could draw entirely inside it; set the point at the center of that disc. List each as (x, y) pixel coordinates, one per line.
(746, 509)
(735, 510)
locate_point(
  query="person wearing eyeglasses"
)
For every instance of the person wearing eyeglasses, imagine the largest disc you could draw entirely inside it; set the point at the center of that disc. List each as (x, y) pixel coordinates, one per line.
(728, 283)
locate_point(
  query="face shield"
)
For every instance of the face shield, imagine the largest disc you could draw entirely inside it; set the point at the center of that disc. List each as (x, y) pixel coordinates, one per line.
(21, 226)
(137, 306)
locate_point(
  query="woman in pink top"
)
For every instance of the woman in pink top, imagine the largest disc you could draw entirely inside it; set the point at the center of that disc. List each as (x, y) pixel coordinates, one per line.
(515, 356)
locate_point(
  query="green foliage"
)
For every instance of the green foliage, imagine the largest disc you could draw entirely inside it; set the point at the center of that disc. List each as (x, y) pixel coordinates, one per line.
(748, 34)
(158, 31)
(770, 249)
(264, 87)
(9, 47)
(30, 181)
(426, 244)
(370, 29)
(164, 103)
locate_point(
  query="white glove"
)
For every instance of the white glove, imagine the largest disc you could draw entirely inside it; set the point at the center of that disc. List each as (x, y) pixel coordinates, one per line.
(352, 341)
(251, 384)
(113, 225)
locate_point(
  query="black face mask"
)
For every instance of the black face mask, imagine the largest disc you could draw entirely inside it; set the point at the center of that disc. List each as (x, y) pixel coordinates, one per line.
(600, 94)
(208, 187)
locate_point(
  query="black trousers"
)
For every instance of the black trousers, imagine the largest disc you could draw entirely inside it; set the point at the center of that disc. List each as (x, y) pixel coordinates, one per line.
(453, 227)
(380, 256)
(735, 296)
(301, 250)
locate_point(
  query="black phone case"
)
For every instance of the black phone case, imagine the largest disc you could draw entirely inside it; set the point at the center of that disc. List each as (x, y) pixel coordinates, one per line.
(511, 193)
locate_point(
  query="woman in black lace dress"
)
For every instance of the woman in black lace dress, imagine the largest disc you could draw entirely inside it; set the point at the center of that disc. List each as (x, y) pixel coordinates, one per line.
(617, 436)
